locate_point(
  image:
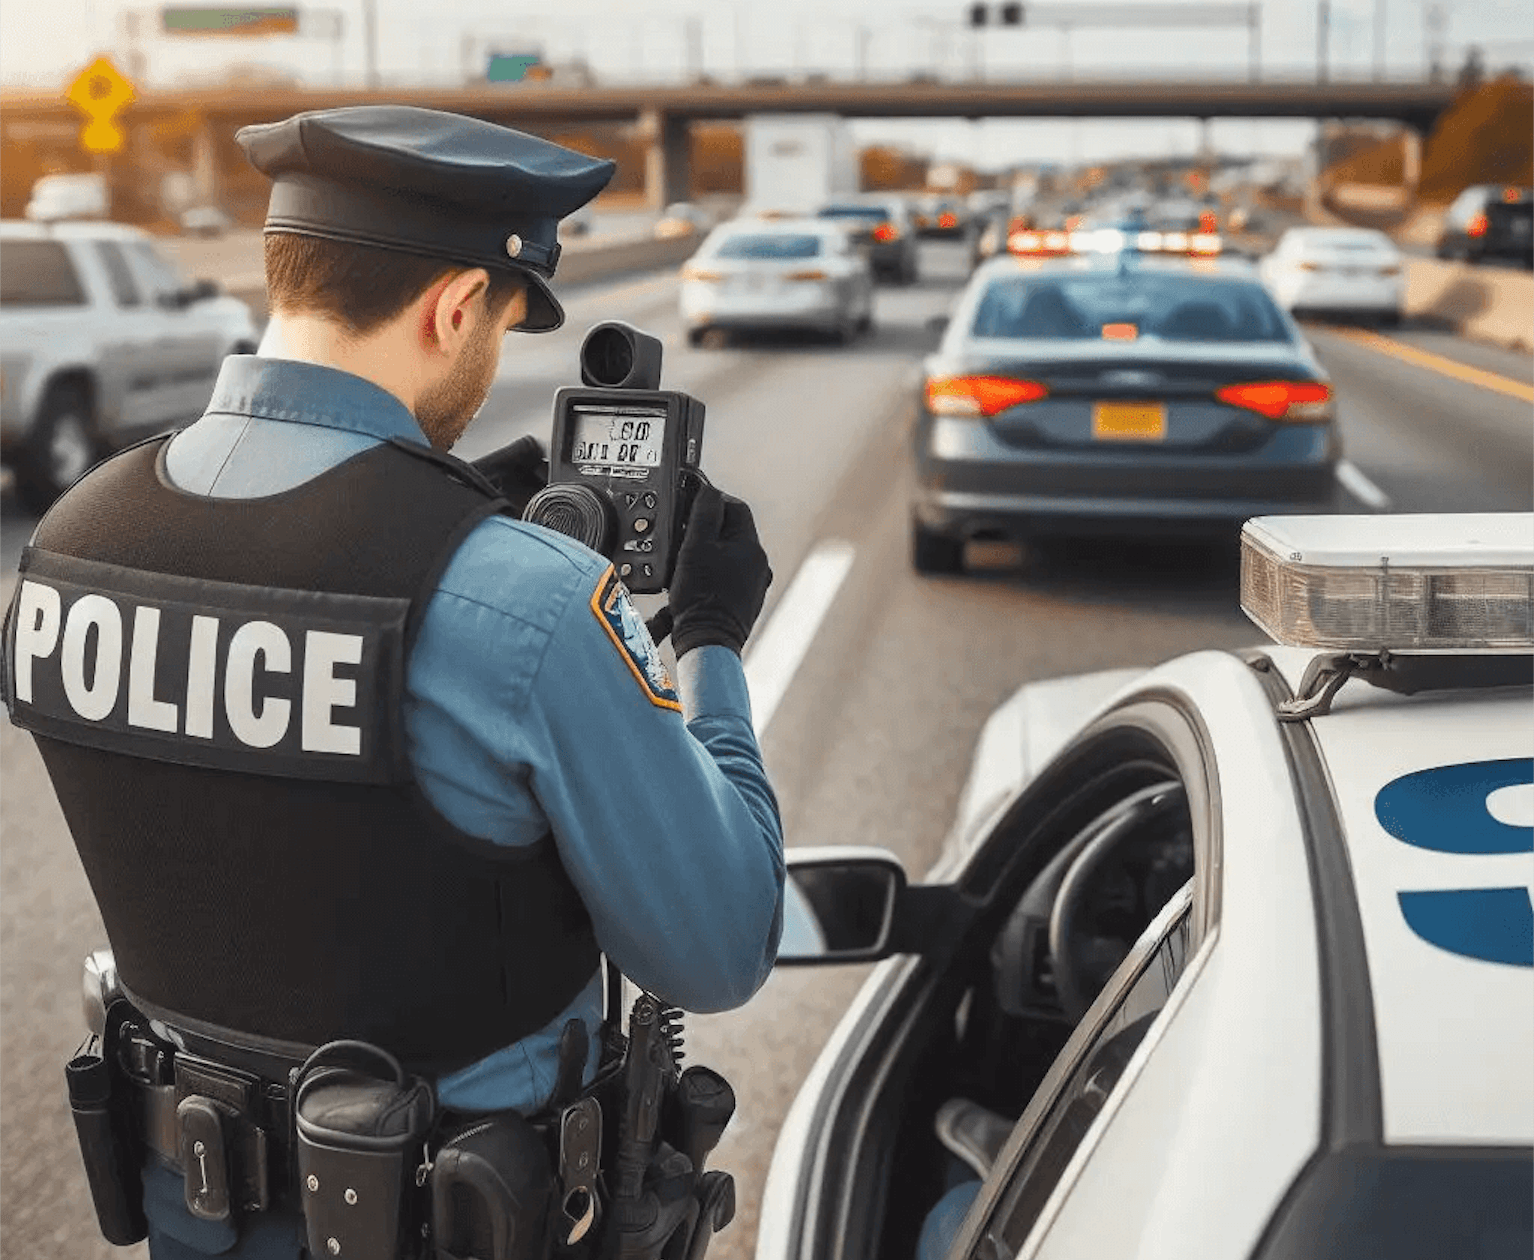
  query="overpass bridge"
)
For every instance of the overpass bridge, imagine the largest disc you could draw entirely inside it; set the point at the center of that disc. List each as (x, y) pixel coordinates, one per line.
(665, 113)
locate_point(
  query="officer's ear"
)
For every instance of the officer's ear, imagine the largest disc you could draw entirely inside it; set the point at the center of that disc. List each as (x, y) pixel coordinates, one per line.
(453, 309)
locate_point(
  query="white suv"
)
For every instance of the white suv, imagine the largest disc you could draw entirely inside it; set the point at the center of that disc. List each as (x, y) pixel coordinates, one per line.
(101, 342)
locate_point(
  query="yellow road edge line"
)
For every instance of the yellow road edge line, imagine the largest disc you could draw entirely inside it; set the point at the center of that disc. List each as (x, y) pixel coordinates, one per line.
(1437, 363)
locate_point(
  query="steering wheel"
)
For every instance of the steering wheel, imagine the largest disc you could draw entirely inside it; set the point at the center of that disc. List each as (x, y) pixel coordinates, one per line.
(1074, 989)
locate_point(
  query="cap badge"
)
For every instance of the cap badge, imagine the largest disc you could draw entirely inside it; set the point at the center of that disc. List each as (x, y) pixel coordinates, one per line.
(514, 245)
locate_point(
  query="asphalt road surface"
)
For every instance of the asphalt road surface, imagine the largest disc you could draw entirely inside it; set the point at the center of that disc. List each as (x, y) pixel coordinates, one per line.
(872, 739)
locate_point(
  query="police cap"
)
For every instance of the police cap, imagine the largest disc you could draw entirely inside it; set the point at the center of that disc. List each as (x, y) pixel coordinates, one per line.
(429, 183)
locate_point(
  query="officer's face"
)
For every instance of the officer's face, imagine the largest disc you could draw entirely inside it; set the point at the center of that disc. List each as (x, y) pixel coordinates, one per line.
(445, 408)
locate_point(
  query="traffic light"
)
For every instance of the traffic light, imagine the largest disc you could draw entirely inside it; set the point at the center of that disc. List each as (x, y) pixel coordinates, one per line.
(1011, 15)
(978, 14)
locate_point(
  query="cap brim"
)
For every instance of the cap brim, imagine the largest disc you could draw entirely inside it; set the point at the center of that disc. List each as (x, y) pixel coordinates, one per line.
(544, 313)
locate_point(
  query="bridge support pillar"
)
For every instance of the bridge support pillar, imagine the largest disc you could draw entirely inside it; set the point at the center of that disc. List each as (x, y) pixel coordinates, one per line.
(205, 163)
(1411, 159)
(668, 158)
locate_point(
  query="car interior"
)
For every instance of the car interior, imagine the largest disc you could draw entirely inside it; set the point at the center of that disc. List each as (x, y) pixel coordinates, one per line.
(1079, 896)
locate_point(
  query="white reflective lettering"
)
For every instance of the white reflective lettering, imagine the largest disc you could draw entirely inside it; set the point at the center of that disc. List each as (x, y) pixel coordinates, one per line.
(37, 632)
(324, 692)
(143, 709)
(93, 700)
(256, 638)
(201, 685)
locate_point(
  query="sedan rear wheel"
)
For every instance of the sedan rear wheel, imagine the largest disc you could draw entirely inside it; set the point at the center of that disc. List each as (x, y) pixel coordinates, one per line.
(932, 552)
(61, 448)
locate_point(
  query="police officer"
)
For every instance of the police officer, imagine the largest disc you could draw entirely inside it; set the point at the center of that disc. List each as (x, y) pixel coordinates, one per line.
(399, 765)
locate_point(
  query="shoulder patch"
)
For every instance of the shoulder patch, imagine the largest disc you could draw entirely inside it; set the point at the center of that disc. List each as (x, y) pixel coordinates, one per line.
(626, 628)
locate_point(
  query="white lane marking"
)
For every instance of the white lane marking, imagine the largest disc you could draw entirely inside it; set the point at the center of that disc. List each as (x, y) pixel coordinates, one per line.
(1361, 488)
(778, 648)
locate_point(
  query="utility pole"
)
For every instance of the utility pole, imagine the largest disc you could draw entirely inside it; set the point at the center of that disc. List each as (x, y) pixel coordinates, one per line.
(694, 48)
(1379, 39)
(370, 41)
(1254, 41)
(1435, 22)
(1323, 37)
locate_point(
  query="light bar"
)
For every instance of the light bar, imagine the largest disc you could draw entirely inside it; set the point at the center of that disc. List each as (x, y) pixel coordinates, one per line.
(1405, 584)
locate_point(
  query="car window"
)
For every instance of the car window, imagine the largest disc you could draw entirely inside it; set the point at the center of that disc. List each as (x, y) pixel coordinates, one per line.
(38, 273)
(853, 212)
(153, 271)
(774, 245)
(1172, 307)
(1086, 1089)
(124, 288)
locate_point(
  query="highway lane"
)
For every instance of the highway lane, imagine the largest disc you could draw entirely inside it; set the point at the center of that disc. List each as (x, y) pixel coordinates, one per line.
(871, 742)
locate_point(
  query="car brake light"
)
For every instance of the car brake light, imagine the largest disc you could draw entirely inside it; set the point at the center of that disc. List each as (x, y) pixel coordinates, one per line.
(1207, 222)
(886, 232)
(806, 275)
(948, 220)
(1310, 266)
(1281, 400)
(1511, 196)
(1476, 226)
(698, 273)
(980, 395)
(1120, 332)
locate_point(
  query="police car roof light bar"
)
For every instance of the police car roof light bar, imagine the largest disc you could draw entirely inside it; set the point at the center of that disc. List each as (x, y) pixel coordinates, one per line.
(1448, 585)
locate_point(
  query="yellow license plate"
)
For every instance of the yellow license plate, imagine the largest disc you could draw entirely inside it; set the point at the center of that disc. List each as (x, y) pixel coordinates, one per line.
(1128, 422)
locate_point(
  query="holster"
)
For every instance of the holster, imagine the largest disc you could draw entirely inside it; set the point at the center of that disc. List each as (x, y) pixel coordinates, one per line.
(492, 1187)
(360, 1143)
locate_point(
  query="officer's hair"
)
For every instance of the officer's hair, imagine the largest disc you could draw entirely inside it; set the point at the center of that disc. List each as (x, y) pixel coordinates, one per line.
(361, 287)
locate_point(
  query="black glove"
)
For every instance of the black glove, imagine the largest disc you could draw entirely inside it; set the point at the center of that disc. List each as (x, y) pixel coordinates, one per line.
(721, 577)
(518, 470)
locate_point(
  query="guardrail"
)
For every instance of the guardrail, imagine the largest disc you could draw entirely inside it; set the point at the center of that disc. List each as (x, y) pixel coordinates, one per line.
(581, 264)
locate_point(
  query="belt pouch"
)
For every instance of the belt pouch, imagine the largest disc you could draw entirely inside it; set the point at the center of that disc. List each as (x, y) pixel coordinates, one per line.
(98, 1102)
(492, 1187)
(359, 1142)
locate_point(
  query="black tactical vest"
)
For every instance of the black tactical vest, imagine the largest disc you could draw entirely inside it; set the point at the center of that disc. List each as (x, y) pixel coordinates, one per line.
(216, 687)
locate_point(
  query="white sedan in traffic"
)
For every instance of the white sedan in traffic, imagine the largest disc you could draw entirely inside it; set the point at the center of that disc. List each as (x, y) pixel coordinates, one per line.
(1228, 959)
(754, 275)
(1341, 271)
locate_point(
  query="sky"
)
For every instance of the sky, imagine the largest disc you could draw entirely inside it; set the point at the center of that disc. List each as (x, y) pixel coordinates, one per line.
(44, 42)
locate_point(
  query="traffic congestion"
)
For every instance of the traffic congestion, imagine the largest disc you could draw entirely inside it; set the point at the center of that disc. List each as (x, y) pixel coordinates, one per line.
(1143, 684)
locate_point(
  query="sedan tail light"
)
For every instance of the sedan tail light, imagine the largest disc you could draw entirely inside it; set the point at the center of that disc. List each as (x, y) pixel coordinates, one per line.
(980, 395)
(1310, 266)
(886, 232)
(1476, 226)
(700, 273)
(947, 220)
(814, 274)
(1299, 401)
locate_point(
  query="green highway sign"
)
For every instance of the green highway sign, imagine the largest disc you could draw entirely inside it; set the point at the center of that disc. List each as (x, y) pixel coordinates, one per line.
(181, 19)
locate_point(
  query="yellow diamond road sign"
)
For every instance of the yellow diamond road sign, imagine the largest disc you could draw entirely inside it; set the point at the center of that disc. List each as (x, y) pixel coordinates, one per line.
(100, 92)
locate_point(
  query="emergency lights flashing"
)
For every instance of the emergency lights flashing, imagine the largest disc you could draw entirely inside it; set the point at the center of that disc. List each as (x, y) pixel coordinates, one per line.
(1405, 584)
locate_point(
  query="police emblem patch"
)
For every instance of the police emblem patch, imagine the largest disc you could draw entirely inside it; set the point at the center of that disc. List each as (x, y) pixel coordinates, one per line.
(626, 628)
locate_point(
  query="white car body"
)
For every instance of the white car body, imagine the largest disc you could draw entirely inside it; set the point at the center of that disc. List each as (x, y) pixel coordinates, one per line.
(114, 321)
(733, 282)
(1346, 270)
(1338, 997)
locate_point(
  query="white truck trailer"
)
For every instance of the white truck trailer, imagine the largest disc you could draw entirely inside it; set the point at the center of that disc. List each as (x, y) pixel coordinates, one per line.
(797, 162)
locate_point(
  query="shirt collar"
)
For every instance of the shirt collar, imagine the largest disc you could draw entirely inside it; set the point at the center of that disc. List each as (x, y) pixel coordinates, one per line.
(307, 393)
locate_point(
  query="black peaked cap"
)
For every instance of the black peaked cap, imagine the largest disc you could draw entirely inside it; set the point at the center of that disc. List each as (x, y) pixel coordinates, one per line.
(430, 183)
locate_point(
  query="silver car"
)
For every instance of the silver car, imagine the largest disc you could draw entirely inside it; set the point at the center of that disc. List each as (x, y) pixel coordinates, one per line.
(777, 274)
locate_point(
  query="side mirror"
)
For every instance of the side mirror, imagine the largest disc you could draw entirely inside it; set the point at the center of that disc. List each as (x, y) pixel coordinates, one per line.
(853, 905)
(839, 905)
(937, 325)
(202, 290)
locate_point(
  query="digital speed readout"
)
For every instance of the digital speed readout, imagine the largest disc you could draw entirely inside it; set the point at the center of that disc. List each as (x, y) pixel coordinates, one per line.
(616, 440)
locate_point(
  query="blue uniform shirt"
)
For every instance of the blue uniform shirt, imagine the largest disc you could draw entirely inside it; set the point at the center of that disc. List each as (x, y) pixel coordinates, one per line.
(526, 713)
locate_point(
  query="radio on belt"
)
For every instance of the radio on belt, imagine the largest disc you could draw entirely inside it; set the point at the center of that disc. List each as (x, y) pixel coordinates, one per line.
(623, 458)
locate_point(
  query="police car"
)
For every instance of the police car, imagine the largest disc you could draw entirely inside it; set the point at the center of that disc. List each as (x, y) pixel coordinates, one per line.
(1232, 957)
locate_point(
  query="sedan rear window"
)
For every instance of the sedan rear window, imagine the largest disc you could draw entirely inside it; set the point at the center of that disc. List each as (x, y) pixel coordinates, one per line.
(854, 212)
(776, 245)
(38, 273)
(1174, 308)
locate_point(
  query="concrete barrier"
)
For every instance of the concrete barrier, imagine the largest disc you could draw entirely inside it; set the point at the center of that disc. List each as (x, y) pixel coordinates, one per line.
(581, 263)
(1484, 303)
